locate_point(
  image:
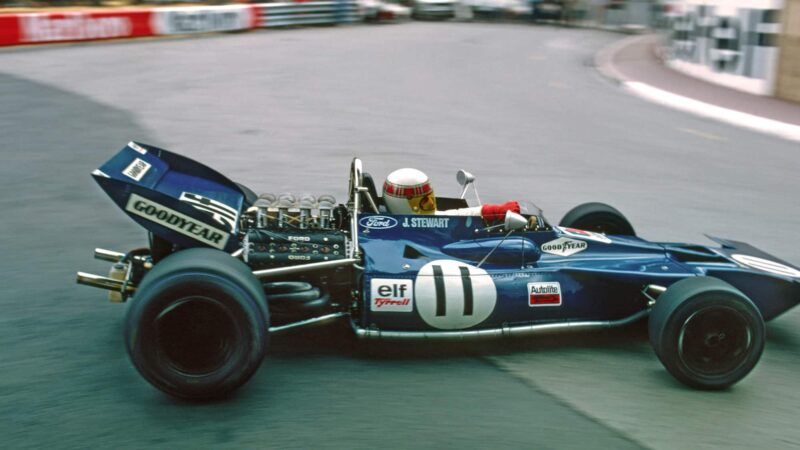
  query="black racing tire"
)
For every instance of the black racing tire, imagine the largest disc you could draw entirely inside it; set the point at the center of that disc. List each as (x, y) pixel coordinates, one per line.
(160, 248)
(707, 333)
(598, 217)
(197, 327)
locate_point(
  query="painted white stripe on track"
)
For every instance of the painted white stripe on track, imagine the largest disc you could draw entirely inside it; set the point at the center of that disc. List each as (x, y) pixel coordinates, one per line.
(730, 116)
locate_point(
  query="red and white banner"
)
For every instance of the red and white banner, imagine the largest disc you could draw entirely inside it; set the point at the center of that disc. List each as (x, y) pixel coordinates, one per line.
(34, 28)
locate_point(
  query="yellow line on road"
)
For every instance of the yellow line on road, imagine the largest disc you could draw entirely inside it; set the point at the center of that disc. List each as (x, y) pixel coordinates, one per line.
(703, 134)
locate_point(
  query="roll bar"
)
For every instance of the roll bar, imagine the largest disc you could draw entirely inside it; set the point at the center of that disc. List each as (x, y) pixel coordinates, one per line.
(354, 202)
(356, 178)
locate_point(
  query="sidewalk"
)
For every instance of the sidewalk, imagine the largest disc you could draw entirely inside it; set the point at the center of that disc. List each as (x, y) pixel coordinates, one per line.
(634, 63)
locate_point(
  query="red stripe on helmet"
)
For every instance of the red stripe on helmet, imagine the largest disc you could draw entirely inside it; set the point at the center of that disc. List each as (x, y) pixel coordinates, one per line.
(396, 190)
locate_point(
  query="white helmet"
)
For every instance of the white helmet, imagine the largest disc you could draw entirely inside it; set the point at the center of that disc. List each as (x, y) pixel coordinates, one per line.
(409, 191)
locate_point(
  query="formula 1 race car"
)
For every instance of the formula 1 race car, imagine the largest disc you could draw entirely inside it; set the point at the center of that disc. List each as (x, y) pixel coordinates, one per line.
(226, 268)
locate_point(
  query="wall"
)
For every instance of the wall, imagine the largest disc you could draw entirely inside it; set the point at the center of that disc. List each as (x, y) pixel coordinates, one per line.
(729, 42)
(788, 80)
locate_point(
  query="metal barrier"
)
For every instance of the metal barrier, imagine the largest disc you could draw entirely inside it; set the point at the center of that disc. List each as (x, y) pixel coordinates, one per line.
(308, 13)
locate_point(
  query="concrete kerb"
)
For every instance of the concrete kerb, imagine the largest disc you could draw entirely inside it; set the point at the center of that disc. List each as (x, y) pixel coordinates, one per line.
(605, 66)
(603, 60)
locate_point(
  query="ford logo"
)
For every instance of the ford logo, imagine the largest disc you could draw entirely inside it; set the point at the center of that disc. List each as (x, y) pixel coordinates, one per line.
(378, 222)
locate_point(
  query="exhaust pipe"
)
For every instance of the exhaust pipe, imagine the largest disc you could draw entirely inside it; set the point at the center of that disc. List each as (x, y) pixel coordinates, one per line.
(310, 267)
(494, 333)
(98, 281)
(117, 282)
(108, 255)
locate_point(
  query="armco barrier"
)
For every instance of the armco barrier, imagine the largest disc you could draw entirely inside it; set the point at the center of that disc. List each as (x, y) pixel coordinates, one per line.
(308, 13)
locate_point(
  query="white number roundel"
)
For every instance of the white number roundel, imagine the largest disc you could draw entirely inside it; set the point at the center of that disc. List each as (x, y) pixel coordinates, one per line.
(766, 265)
(451, 295)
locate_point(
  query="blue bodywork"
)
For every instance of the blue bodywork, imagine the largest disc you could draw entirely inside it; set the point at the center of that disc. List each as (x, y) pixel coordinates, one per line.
(604, 281)
(163, 178)
(430, 273)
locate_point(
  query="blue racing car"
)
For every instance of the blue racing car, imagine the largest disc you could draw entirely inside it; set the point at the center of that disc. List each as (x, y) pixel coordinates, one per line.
(225, 268)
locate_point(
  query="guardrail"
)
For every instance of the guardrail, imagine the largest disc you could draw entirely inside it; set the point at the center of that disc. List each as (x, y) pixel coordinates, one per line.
(308, 13)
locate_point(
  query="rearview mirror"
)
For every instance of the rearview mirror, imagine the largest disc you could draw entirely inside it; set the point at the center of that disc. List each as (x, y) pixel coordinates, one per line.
(464, 179)
(514, 221)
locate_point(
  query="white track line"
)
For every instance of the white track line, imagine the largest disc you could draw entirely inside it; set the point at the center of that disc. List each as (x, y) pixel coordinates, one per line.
(737, 118)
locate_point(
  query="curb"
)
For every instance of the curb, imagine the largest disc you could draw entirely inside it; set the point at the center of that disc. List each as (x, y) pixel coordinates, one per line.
(603, 60)
(732, 117)
(605, 66)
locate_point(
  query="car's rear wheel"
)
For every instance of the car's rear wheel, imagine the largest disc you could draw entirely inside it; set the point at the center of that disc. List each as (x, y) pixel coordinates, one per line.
(197, 327)
(160, 248)
(707, 333)
(598, 217)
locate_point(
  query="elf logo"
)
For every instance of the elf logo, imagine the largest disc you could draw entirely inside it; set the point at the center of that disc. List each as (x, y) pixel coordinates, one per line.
(391, 295)
(544, 294)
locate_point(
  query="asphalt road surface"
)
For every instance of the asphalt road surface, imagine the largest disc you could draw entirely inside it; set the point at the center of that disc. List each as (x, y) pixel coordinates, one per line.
(520, 106)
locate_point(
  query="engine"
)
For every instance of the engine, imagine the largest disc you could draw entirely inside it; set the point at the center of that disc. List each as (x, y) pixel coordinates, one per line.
(288, 229)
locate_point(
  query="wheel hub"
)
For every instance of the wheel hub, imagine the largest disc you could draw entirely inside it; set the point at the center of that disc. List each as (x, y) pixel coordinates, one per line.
(714, 341)
(195, 335)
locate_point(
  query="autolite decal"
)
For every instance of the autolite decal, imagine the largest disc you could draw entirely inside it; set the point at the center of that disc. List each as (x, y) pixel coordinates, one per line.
(544, 294)
(176, 221)
(391, 295)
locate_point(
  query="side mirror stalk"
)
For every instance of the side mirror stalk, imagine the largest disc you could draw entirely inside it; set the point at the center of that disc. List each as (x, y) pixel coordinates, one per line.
(465, 179)
(513, 222)
(495, 248)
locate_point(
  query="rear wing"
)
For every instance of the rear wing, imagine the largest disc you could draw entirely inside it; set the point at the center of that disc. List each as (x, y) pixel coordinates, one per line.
(176, 198)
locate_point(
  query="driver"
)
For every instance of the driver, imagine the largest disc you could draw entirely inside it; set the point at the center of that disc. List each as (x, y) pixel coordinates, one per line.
(409, 191)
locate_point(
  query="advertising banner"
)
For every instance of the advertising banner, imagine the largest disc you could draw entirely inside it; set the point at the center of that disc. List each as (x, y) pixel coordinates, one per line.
(204, 19)
(9, 29)
(33, 28)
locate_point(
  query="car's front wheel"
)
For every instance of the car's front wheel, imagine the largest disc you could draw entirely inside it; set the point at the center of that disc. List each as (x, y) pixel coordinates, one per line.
(598, 217)
(707, 333)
